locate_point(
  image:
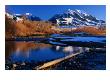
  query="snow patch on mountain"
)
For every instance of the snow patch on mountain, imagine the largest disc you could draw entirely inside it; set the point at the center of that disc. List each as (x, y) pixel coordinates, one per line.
(20, 17)
(76, 18)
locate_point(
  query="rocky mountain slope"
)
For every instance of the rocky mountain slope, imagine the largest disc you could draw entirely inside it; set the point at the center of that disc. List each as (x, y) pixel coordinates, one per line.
(76, 18)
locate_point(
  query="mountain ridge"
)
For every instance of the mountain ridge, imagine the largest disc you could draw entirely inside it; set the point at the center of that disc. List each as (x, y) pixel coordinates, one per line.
(76, 18)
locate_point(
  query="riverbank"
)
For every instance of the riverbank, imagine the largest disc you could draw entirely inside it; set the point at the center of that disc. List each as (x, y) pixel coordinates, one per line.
(51, 63)
(91, 60)
(84, 61)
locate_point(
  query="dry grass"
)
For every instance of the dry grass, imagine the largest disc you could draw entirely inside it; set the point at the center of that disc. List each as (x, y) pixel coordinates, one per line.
(91, 30)
(28, 28)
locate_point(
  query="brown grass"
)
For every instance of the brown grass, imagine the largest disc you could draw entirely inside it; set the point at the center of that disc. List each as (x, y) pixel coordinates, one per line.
(28, 28)
(91, 30)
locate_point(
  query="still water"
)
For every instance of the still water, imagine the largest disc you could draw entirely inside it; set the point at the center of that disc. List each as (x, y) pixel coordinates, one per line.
(31, 51)
(18, 52)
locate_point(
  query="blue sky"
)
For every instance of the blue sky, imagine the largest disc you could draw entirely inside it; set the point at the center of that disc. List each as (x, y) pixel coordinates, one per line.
(47, 11)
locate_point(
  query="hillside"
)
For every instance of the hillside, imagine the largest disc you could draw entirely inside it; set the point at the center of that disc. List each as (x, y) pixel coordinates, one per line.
(26, 28)
(91, 30)
(30, 28)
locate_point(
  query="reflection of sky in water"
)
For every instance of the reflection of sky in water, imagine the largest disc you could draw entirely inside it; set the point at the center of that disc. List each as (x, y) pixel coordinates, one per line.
(43, 54)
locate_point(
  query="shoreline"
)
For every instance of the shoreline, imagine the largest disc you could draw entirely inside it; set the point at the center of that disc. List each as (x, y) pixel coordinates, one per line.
(54, 62)
(76, 62)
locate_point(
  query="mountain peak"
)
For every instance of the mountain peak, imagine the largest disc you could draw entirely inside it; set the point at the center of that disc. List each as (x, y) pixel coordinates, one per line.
(28, 14)
(76, 18)
(77, 11)
(69, 11)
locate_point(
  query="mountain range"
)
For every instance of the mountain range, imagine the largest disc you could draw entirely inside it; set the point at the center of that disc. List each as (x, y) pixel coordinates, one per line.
(20, 17)
(76, 18)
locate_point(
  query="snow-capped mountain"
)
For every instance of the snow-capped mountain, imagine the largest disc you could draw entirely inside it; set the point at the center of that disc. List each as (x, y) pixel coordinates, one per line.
(76, 18)
(9, 15)
(20, 17)
(31, 17)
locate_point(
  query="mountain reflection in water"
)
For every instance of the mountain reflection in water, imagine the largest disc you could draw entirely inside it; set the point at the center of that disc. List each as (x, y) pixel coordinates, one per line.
(33, 52)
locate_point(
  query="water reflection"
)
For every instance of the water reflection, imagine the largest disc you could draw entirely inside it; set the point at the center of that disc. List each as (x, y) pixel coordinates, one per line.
(71, 49)
(31, 51)
(31, 54)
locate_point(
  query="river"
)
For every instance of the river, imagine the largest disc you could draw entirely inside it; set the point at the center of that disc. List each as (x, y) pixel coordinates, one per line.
(28, 55)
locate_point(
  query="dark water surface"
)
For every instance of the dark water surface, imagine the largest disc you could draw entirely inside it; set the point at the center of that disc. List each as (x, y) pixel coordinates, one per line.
(37, 52)
(28, 55)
